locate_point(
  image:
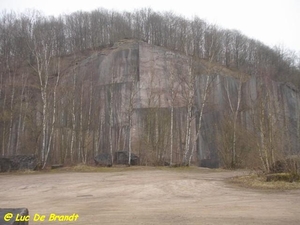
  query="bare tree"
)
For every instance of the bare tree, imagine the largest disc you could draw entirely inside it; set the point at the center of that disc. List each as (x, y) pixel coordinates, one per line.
(130, 112)
(73, 135)
(172, 100)
(189, 115)
(208, 83)
(53, 113)
(235, 109)
(42, 50)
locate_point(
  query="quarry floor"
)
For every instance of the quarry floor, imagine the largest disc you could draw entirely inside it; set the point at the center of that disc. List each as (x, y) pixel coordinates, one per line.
(146, 196)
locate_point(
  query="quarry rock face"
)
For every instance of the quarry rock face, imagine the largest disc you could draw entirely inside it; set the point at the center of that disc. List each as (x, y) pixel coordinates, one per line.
(143, 82)
(163, 106)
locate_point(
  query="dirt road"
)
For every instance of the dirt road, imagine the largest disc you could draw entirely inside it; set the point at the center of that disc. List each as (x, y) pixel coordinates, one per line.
(147, 196)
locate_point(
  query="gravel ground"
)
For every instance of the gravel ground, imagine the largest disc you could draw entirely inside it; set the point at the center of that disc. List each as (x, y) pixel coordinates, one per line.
(146, 196)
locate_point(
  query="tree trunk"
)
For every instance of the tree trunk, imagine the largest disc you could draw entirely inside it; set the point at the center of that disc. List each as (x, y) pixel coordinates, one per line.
(129, 141)
(73, 119)
(10, 134)
(171, 135)
(24, 84)
(53, 117)
(44, 124)
(111, 122)
(200, 118)
(263, 150)
(81, 136)
(189, 115)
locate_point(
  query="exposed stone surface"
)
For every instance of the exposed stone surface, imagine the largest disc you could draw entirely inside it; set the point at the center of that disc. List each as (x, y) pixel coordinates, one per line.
(103, 159)
(22, 212)
(19, 162)
(145, 70)
(24, 162)
(132, 73)
(121, 157)
(5, 165)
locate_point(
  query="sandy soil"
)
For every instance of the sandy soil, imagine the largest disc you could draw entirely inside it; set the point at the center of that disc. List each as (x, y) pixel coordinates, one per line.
(148, 196)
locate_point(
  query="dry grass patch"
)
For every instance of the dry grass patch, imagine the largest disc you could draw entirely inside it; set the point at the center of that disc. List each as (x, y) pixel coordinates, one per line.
(260, 182)
(89, 168)
(121, 168)
(189, 169)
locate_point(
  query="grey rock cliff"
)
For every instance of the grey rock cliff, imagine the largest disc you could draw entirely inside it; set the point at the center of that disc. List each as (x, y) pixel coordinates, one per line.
(147, 76)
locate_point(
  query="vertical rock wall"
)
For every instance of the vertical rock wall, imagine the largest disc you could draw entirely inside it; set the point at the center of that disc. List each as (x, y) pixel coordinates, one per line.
(148, 75)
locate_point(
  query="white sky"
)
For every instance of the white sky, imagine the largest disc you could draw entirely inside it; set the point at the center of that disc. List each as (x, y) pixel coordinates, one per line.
(273, 22)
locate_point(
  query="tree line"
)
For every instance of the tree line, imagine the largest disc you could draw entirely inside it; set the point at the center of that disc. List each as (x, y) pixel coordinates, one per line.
(89, 30)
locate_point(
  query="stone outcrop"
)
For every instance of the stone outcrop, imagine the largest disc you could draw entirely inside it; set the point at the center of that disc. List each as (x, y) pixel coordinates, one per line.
(5, 165)
(22, 212)
(121, 157)
(103, 159)
(19, 162)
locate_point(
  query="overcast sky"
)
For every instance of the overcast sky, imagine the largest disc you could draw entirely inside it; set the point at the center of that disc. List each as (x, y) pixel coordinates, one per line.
(273, 22)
